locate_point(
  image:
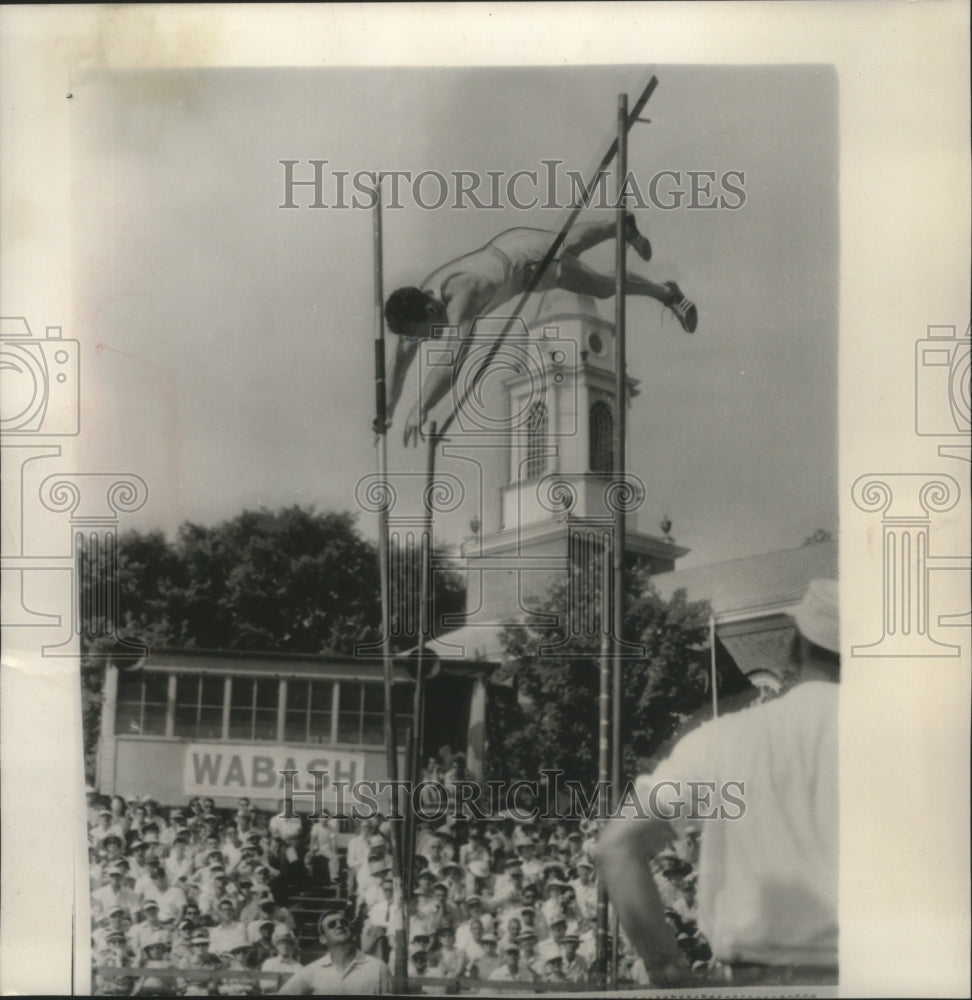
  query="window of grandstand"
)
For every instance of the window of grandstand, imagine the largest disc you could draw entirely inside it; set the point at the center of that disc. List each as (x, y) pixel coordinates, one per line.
(141, 706)
(253, 708)
(602, 437)
(310, 711)
(361, 713)
(199, 706)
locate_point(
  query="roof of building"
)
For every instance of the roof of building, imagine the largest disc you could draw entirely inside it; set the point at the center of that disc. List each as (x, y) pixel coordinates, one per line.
(758, 584)
(470, 642)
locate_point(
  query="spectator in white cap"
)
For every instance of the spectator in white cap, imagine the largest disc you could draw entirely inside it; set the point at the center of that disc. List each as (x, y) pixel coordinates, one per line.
(149, 927)
(200, 957)
(585, 888)
(490, 959)
(260, 935)
(117, 920)
(510, 970)
(767, 879)
(155, 957)
(103, 827)
(234, 959)
(285, 959)
(182, 941)
(114, 953)
(574, 967)
(115, 893)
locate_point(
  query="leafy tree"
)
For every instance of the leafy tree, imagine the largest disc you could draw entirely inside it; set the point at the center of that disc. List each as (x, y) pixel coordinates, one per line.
(293, 580)
(554, 722)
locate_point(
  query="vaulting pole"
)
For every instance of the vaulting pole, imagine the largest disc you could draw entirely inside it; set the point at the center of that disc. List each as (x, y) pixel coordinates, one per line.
(391, 747)
(620, 428)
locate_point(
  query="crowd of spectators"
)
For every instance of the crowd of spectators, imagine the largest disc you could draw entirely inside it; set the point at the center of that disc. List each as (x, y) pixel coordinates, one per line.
(503, 900)
(498, 899)
(190, 889)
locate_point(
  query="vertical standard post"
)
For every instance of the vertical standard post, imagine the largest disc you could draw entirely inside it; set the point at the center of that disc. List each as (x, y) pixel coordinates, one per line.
(620, 425)
(712, 646)
(418, 705)
(603, 743)
(391, 747)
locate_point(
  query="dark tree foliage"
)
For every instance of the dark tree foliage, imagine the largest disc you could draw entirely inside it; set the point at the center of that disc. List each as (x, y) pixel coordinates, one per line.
(292, 580)
(554, 723)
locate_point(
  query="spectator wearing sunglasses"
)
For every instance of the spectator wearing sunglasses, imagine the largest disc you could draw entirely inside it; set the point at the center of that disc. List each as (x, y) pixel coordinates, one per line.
(344, 970)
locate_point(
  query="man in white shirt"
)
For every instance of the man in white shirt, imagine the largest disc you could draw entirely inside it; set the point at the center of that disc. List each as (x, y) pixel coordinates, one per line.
(284, 963)
(510, 971)
(115, 893)
(229, 933)
(344, 969)
(585, 889)
(767, 885)
(148, 929)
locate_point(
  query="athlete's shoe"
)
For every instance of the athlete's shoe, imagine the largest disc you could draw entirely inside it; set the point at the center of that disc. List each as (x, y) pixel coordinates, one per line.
(641, 244)
(684, 308)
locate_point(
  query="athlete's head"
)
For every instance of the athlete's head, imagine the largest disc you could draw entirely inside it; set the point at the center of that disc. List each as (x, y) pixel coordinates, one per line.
(410, 312)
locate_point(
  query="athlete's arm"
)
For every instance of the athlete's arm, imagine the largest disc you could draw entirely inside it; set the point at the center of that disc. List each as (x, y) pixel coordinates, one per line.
(623, 854)
(405, 351)
(462, 310)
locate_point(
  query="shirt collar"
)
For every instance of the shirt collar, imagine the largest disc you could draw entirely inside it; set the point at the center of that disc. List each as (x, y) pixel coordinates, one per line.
(356, 958)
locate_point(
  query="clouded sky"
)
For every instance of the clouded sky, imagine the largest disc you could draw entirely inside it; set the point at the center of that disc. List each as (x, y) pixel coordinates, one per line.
(235, 362)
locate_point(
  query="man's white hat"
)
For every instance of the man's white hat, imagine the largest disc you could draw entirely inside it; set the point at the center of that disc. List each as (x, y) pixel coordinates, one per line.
(818, 615)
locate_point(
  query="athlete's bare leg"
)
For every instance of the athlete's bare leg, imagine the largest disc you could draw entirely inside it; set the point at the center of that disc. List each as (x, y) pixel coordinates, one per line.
(576, 276)
(584, 235)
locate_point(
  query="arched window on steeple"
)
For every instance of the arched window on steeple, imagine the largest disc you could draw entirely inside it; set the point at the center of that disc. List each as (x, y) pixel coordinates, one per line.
(536, 451)
(601, 428)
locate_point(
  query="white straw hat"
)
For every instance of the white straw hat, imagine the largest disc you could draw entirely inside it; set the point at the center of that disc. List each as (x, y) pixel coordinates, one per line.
(818, 615)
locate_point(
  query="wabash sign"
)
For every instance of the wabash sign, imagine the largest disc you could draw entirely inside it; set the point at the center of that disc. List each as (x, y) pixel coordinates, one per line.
(243, 769)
